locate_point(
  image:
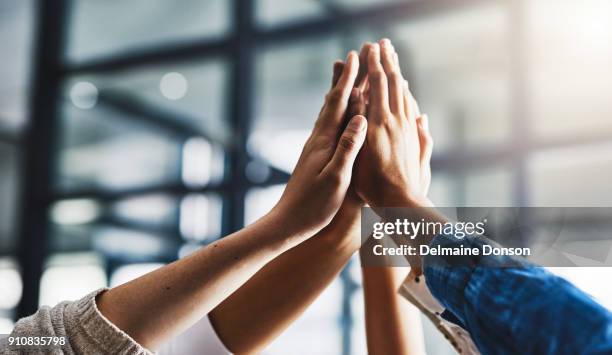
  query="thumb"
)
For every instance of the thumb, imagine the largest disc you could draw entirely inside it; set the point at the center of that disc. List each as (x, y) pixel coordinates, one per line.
(348, 147)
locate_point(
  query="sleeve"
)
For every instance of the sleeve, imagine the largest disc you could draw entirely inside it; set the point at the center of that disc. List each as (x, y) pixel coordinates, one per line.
(85, 329)
(201, 338)
(518, 309)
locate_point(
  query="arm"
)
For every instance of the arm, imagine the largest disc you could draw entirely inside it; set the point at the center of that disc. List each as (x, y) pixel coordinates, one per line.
(393, 326)
(272, 299)
(522, 309)
(509, 310)
(186, 290)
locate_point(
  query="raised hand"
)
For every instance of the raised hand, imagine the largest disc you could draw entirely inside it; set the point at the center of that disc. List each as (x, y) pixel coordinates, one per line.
(323, 173)
(393, 166)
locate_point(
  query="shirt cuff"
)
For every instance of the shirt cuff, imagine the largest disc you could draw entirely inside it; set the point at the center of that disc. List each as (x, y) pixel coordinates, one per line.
(448, 277)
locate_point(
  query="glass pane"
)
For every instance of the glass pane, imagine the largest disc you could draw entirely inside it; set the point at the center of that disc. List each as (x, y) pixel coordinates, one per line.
(260, 201)
(102, 148)
(156, 210)
(11, 284)
(487, 187)
(458, 68)
(291, 82)
(192, 95)
(99, 28)
(70, 277)
(6, 325)
(16, 27)
(119, 240)
(133, 245)
(275, 12)
(9, 187)
(572, 176)
(71, 238)
(320, 322)
(200, 218)
(569, 59)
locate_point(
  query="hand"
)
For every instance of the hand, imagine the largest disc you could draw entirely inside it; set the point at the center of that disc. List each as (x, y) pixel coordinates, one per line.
(322, 176)
(392, 167)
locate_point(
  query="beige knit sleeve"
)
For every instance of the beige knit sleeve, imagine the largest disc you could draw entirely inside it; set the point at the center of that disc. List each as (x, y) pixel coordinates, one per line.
(85, 329)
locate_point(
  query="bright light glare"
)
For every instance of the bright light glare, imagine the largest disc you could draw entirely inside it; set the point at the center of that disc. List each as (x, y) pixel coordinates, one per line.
(150, 207)
(84, 95)
(61, 283)
(6, 326)
(10, 288)
(173, 86)
(589, 279)
(197, 161)
(71, 212)
(195, 221)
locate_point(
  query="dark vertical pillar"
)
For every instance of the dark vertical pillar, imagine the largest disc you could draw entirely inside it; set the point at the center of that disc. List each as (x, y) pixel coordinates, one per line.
(39, 147)
(241, 113)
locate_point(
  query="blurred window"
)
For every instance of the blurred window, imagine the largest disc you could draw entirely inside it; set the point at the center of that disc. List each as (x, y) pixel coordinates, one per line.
(16, 28)
(141, 24)
(70, 277)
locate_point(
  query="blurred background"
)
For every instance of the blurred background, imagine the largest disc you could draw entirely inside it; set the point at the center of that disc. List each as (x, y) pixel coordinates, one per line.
(134, 131)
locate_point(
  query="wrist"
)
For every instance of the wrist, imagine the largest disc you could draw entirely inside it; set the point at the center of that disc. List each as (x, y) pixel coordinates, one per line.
(283, 230)
(343, 234)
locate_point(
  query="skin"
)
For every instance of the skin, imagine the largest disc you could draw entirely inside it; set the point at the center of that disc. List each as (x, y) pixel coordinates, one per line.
(183, 292)
(270, 301)
(392, 324)
(259, 310)
(390, 169)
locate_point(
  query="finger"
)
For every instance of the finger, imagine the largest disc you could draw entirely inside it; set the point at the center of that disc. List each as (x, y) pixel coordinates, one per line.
(348, 147)
(337, 71)
(425, 140)
(356, 104)
(394, 77)
(411, 107)
(363, 66)
(379, 97)
(337, 99)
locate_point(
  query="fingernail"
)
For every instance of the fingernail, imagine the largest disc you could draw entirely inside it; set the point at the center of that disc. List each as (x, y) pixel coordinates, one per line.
(358, 123)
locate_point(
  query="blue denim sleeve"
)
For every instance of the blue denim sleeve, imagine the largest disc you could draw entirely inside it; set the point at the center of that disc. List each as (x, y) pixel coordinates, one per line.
(522, 309)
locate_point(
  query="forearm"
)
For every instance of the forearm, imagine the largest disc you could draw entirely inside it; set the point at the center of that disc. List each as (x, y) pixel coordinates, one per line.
(393, 326)
(161, 304)
(279, 293)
